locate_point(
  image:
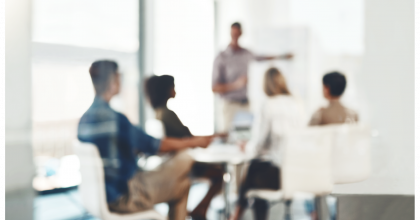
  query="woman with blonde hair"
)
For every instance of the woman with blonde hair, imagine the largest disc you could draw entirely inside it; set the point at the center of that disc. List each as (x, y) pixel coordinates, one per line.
(280, 112)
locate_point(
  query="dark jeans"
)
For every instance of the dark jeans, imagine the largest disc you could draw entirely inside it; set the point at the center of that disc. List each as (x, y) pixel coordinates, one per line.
(260, 175)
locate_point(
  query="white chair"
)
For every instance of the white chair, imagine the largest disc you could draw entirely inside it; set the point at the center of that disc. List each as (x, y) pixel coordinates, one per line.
(351, 153)
(306, 167)
(92, 188)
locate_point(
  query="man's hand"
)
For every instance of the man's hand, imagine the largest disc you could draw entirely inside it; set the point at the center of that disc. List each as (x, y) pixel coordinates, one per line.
(237, 84)
(203, 141)
(175, 144)
(240, 82)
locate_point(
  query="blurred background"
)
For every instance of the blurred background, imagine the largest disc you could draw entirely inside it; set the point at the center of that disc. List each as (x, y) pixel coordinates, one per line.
(50, 45)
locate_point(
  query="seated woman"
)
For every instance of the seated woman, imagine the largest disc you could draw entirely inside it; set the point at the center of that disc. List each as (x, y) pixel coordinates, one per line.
(159, 90)
(280, 112)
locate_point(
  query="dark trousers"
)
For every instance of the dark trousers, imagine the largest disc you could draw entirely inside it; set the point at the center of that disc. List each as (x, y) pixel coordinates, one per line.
(260, 175)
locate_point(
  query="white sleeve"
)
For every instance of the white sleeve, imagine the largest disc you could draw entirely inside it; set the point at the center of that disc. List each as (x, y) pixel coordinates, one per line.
(264, 130)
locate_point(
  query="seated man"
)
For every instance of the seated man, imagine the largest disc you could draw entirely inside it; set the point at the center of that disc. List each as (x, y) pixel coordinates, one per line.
(334, 85)
(129, 189)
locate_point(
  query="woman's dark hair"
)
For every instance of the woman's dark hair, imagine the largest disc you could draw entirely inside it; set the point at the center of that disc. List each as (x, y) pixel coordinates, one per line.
(336, 82)
(158, 89)
(100, 72)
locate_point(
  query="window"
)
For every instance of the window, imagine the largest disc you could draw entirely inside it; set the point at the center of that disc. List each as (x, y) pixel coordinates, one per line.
(184, 48)
(68, 35)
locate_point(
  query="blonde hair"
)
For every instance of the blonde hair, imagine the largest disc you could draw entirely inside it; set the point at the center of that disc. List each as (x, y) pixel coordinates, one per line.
(275, 83)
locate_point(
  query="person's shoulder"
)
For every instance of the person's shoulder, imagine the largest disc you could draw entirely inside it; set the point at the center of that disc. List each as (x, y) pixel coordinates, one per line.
(316, 118)
(169, 113)
(165, 113)
(98, 122)
(350, 112)
(283, 99)
(221, 55)
(277, 102)
(98, 113)
(246, 51)
(272, 101)
(321, 109)
(319, 112)
(122, 118)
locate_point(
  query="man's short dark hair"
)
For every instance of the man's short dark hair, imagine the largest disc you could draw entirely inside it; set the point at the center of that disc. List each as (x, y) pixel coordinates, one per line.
(158, 89)
(236, 25)
(336, 82)
(101, 72)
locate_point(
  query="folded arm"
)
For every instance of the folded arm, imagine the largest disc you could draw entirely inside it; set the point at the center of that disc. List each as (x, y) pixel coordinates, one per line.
(228, 87)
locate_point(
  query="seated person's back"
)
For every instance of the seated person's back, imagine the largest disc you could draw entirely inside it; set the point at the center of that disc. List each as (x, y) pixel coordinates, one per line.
(280, 113)
(160, 89)
(334, 85)
(115, 137)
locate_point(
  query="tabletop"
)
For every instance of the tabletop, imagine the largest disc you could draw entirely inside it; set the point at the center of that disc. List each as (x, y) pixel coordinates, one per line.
(219, 153)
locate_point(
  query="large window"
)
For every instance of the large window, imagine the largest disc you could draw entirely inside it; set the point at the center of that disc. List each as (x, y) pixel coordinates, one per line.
(184, 48)
(68, 35)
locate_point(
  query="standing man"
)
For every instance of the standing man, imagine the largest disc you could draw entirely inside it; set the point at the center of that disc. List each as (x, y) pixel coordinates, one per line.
(230, 78)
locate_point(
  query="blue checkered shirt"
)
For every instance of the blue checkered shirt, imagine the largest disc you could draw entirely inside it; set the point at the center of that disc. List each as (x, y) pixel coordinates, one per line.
(118, 142)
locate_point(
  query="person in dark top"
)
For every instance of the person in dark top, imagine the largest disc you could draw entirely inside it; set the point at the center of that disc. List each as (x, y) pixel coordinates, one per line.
(129, 189)
(159, 90)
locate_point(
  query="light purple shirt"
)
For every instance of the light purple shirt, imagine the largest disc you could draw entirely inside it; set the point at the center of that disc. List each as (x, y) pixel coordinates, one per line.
(228, 66)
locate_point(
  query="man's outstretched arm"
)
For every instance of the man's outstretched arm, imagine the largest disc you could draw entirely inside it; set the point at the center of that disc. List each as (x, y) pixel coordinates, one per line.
(175, 144)
(281, 57)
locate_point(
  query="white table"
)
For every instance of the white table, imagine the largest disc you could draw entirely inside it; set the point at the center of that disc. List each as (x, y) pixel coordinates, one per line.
(226, 155)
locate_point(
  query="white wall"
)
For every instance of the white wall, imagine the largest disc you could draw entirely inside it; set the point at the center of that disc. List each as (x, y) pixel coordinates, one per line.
(19, 166)
(387, 83)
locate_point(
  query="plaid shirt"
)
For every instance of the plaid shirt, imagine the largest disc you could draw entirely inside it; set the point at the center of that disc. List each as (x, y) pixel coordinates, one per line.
(118, 142)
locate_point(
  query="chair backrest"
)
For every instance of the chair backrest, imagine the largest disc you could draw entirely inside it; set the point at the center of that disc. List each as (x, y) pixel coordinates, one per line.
(92, 188)
(306, 161)
(351, 161)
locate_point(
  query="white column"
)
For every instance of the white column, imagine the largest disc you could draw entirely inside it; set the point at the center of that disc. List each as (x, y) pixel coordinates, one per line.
(387, 82)
(19, 164)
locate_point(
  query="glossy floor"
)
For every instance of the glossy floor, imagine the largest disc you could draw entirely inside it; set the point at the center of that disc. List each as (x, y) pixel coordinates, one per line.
(68, 206)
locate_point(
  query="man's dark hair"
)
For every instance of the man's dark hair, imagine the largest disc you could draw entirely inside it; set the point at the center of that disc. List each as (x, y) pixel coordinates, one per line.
(236, 25)
(101, 72)
(158, 89)
(336, 82)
